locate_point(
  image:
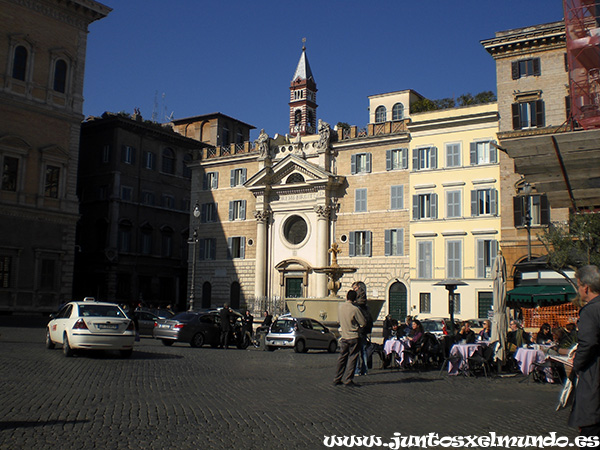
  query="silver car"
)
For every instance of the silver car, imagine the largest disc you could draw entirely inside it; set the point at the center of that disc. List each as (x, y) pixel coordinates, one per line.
(301, 334)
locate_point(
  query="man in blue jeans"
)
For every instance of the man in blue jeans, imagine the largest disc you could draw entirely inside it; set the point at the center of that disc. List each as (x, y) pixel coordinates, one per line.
(351, 319)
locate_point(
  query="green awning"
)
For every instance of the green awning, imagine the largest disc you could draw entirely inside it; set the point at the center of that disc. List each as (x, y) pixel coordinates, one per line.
(544, 293)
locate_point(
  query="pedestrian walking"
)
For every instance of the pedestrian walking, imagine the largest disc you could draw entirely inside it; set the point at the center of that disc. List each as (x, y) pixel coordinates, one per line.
(351, 319)
(585, 412)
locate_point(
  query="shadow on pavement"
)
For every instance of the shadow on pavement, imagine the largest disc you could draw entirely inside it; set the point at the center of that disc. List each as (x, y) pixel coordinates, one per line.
(11, 424)
(24, 320)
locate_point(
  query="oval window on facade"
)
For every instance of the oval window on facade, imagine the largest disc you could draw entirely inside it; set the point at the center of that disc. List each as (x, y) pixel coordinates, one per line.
(295, 230)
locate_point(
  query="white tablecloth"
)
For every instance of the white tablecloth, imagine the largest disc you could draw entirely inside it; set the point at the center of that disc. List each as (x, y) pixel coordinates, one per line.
(527, 356)
(463, 352)
(397, 346)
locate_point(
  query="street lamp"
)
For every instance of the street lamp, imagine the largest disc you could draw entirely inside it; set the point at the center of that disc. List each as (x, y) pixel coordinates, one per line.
(527, 189)
(193, 241)
(451, 286)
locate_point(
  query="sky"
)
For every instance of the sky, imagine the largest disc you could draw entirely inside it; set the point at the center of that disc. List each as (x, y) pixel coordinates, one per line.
(183, 58)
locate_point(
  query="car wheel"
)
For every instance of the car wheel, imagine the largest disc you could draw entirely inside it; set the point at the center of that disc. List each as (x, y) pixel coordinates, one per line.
(126, 353)
(300, 346)
(332, 347)
(167, 342)
(197, 341)
(49, 344)
(67, 350)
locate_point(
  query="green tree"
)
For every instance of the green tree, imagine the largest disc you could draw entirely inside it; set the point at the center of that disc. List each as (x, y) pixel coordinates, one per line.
(466, 99)
(422, 105)
(485, 97)
(444, 103)
(573, 245)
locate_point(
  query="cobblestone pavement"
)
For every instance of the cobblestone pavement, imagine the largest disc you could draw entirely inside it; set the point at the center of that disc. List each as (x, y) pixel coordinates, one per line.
(185, 398)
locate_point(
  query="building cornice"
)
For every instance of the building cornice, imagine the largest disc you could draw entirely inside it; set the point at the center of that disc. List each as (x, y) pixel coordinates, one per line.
(526, 40)
(77, 13)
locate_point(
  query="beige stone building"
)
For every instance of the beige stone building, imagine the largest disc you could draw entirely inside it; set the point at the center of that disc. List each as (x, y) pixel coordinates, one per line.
(533, 102)
(42, 55)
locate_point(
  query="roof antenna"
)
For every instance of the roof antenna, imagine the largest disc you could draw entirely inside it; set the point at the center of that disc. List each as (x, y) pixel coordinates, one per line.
(303, 42)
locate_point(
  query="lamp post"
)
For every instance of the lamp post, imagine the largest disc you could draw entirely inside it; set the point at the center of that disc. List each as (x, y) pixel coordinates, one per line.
(527, 191)
(451, 286)
(193, 241)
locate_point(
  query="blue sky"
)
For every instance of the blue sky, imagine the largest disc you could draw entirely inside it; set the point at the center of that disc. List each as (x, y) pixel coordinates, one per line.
(237, 57)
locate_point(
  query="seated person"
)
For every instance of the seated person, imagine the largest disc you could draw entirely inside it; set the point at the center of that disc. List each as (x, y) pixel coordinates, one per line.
(416, 332)
(544, 336)
(517, 336)
(486, 333)
(571, 330)
(561, 341)
(396, 332)
(388, 324)
(465, 333)
(407, 325)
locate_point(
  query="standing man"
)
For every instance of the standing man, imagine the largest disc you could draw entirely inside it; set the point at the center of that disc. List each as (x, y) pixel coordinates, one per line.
(585, 413)
(224, 314)
(351, 319)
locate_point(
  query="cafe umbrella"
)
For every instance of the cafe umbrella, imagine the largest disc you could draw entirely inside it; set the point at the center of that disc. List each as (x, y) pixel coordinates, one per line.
(499, 322)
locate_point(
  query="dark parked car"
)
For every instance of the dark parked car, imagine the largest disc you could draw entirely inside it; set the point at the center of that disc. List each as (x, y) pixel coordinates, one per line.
(199, 328)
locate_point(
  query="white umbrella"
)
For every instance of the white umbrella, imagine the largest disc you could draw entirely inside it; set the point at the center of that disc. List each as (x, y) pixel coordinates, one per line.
(499, 322)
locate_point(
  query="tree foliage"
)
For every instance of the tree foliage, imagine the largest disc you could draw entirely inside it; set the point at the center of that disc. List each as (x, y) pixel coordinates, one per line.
(574, 244)
(467, 99)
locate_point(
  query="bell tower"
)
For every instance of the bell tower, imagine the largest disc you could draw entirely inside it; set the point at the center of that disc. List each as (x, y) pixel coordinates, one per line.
(303, 99)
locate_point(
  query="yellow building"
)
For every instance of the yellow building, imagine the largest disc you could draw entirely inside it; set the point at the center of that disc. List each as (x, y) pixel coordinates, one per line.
(455, 217)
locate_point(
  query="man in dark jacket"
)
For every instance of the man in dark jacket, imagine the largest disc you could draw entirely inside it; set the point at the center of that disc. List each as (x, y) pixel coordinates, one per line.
(585, 413)
(225, 315)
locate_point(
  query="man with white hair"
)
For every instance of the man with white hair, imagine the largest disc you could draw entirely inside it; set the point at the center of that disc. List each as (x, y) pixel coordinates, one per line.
(585, 413)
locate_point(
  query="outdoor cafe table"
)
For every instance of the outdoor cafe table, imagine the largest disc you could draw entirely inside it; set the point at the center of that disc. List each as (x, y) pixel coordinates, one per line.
(460, 354)
(397, 346)
(526, 357)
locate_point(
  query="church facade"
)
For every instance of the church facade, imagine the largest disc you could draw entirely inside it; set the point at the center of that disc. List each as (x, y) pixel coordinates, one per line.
(391, 196)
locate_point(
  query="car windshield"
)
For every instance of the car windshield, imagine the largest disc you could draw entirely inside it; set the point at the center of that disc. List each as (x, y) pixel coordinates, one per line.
(101, 311)
(282, 326)
(432, 326)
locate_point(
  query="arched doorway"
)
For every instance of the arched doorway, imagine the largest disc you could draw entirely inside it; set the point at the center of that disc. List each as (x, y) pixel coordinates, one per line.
(398, 301)
(234, 295)
(206, 295)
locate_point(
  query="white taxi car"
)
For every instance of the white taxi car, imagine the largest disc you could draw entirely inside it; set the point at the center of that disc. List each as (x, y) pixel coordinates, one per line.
(91, 325)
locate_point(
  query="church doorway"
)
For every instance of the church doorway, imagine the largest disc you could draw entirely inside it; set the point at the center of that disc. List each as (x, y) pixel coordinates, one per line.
(398, 307)
(293, 287)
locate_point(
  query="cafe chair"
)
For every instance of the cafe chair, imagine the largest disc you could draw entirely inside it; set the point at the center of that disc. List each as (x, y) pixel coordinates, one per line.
(483, 362)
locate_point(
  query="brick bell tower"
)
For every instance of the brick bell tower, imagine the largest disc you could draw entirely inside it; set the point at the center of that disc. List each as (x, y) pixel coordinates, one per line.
(303, 99)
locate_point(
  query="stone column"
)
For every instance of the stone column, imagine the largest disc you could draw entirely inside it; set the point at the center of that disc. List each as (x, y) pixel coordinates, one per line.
(322, 248)
(260, 281)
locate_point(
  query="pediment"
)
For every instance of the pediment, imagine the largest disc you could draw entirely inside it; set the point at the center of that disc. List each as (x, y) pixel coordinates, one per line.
(289, 172)
(54, 151)
(14, 143)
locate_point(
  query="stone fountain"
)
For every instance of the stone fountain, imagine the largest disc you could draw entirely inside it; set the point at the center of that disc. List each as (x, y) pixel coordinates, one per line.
(326, 308)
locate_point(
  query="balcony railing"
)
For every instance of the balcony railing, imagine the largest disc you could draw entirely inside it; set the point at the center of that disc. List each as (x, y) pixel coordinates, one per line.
(228, 150)
(373, 129)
